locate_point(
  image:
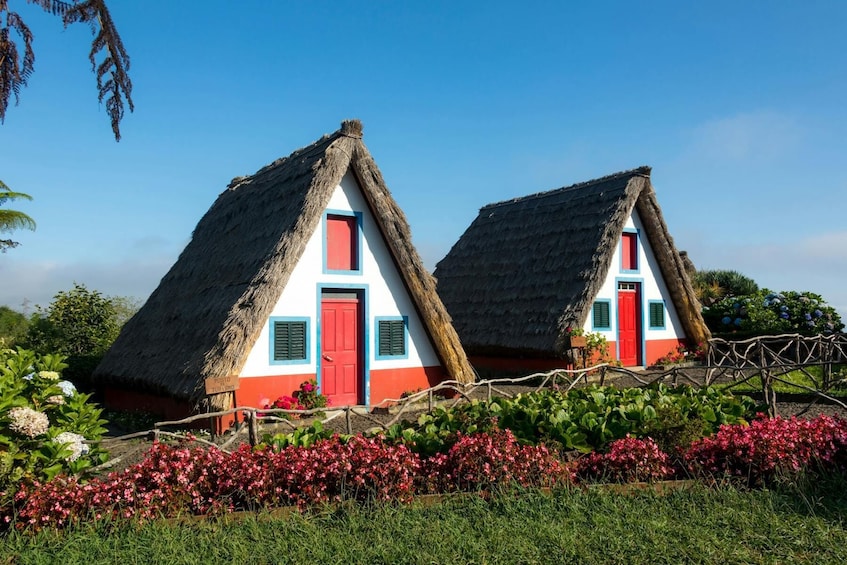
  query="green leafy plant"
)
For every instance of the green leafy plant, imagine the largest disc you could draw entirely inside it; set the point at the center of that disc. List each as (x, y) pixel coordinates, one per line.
(47, 427)
(772, 313)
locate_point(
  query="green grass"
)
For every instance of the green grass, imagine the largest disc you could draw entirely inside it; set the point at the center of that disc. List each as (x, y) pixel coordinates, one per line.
(793, 378)
(699, 525)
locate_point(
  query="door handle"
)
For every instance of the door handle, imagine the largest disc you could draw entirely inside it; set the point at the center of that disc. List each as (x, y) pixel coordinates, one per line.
(327, 357)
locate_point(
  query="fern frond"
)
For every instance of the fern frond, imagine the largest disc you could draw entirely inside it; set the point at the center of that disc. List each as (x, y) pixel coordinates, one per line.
(55, 7)
(14, 71)
(117, 87)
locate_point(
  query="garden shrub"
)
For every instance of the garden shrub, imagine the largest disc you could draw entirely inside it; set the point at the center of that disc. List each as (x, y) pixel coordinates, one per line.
(770, 313)
(627, 460)
(47, 427)
(771, 447)
(582, 419)
(484, 460)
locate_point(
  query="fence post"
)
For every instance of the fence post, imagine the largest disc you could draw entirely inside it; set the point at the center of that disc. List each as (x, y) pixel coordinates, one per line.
(252, 428)
(768, 393)
(431, 400)
(347, 418)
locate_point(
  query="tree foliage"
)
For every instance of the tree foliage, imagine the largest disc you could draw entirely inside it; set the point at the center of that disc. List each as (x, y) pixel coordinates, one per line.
(12, 219)
(109, 60)
(13, 327)
(78, 322)
(714, 285)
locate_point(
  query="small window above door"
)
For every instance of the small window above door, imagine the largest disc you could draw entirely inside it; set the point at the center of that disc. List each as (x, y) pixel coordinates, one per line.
(342, 252)
(629, 251)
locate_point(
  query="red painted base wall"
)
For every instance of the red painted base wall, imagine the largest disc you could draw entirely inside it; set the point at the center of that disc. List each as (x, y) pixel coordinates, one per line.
(492, 366)
(256, 392)
(656, 349)
(392, 383)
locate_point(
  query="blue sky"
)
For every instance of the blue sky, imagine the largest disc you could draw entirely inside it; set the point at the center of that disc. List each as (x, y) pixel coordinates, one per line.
(739, 107)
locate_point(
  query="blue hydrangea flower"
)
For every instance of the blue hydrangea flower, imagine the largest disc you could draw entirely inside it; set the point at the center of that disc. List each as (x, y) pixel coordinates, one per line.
(775, 301)
(28, 377)
(68, 388)
(807, 316)
(818, 313)
(726, 320)
(738, 321)
(784, 315)
(783, 308)
(766, 303)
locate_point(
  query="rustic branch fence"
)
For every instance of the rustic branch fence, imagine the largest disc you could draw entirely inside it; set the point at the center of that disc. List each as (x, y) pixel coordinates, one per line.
(733, 363)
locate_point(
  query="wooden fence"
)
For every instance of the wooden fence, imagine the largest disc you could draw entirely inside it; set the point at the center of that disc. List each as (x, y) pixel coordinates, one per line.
(732, 363)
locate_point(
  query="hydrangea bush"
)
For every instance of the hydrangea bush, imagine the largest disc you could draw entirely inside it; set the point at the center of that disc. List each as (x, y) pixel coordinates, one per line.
(47, 427)
(772, 313)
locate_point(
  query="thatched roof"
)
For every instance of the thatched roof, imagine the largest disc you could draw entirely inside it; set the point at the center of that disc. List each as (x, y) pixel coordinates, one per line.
(528, 268)
(209, 309)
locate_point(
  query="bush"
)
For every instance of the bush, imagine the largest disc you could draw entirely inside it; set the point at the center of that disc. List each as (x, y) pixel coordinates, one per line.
(771, 447)
(46, 426)
(770, 313)
(484, 460)
(627, 460)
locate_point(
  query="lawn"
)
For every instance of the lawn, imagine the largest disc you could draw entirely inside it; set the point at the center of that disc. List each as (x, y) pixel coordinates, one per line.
(697, 525)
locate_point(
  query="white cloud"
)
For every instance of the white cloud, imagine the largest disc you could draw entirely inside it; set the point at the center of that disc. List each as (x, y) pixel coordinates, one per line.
(754, 136)
(27, 283)
(817, 263)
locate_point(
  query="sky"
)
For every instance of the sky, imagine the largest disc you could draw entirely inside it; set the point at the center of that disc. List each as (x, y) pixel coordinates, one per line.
(739, 108)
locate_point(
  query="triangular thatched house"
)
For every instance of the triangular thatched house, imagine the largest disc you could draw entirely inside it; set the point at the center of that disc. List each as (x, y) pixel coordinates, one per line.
(595, 255)
(305, 270)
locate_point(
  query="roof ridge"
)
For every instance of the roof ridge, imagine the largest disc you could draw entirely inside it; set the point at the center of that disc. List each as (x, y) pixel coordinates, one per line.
(643, 170)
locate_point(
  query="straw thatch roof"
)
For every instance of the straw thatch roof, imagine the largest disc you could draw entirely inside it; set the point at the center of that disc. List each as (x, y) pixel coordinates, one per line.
(528, 268)
(209, 309)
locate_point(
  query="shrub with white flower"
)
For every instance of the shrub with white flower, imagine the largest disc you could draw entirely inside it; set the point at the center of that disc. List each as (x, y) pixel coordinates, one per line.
(74, 442)
(68, 388)
(44, 422)
(28, 422)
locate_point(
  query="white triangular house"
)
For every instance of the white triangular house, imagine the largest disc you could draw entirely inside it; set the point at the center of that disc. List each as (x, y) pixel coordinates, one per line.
(305, 270)
(595, 255)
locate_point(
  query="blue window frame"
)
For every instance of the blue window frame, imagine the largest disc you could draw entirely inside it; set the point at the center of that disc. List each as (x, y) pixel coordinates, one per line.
(392, 337)
(656, 314)
(601, 315)
(289, 341)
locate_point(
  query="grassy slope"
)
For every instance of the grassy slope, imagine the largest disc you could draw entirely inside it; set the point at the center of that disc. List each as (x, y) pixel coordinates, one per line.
(696, 526)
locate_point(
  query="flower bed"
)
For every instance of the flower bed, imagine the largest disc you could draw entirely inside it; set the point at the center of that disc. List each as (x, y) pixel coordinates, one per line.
(185, 480)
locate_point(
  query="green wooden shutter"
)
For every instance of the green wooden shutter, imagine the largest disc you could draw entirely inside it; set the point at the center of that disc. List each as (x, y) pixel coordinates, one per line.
(392, 338)
(657, 315)
(602, 315)
(289, 341)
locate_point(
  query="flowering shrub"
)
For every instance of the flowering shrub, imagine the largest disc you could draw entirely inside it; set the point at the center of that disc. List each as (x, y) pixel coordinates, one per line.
(46, 426)
(482, 460)
(285, 403)
(771, 313)
(307, 397)
(627, 460)
(682, 354)
(771, 446)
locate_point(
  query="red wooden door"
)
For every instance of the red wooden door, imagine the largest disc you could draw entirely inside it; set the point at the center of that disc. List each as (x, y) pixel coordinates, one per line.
(629, 324)
(340, 351)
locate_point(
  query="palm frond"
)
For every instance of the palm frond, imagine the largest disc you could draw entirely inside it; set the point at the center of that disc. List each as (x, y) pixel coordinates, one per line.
(11, 220)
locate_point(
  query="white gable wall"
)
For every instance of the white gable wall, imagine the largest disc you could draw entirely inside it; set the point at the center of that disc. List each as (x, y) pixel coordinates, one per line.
(652, 288)
(385, 295)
